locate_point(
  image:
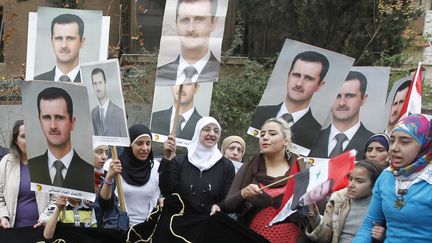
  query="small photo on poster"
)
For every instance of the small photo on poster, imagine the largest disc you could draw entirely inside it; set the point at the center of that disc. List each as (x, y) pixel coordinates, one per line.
(104, 88)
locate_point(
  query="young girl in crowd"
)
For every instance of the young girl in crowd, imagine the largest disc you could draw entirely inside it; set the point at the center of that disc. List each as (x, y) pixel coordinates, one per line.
(140, 178)
(346, 208)
(402, 195)
(77, 214)
(377, 148)
(100, 156)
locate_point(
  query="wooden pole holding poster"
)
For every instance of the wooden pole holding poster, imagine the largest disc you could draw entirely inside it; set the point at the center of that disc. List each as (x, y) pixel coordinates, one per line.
(119, 183)
(177, 112)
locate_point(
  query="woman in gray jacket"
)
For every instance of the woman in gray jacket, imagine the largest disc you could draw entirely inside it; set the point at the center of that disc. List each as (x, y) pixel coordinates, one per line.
(19, 206)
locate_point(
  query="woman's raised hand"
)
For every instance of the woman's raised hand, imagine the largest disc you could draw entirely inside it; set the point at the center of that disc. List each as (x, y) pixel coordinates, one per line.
(169, 148)
(114, 169)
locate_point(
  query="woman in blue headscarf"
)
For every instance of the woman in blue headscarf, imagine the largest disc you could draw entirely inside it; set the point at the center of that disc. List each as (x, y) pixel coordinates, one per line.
(402, 196)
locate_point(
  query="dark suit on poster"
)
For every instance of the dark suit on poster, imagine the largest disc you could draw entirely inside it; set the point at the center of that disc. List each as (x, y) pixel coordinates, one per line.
(304, 131)
(79, 176)
(114, 122)
(358, 142)
(167, 74)
(49, 76)
(161, 123)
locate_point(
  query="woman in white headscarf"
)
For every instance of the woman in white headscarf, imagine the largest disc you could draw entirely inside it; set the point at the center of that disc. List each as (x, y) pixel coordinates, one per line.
(201, 177)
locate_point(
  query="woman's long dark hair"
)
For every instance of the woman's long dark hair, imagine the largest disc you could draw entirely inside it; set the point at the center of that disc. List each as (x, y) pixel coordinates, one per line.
(14, 149)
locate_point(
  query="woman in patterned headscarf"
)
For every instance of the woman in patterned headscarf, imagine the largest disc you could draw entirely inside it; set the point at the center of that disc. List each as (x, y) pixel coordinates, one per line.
(402, 195)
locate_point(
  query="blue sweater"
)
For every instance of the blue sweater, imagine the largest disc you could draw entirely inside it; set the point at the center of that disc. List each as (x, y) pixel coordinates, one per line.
(412, 223)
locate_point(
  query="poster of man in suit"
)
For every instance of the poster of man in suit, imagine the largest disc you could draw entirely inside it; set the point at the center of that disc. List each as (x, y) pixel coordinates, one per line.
(190, 47)
(64, 38)
(58, 138)
(103, 82)
(300, 84)
(356, 114)
(395, 101)
(194, 104)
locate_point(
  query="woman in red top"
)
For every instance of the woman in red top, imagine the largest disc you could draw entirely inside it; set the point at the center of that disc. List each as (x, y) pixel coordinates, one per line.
(256, 207)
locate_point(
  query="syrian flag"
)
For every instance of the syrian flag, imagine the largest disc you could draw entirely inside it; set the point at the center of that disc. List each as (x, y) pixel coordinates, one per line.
(413, 101)
(315, 183)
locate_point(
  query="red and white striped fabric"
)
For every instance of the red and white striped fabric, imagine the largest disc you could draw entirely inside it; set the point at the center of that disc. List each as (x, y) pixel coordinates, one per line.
(413, 101)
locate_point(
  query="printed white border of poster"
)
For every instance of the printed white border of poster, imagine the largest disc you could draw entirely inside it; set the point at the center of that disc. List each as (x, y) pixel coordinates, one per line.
(202, 102)
(63, 191)
(111, 68)
(81, 136)
(32, 37)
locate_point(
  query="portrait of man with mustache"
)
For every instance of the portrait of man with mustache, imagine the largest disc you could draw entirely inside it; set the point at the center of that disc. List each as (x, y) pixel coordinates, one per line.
(195, 22)
(60, 165)
(346, 131)
(305, 78)
(67, 40)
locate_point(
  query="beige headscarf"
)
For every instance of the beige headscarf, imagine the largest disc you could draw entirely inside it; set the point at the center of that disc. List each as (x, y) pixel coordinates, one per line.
(229, 140)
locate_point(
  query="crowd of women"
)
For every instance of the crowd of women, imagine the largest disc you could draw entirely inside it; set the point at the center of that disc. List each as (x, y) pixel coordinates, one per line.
(388, 198)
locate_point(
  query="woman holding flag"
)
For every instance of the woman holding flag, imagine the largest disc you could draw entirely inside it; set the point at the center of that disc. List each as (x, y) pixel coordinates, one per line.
(402, 195)
(251, 199)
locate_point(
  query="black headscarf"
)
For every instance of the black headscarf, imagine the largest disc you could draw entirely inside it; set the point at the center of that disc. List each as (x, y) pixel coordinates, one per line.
(134, 171)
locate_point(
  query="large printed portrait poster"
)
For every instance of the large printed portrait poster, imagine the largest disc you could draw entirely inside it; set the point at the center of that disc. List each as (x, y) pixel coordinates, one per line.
(357, 112)
(59, 39)
(303, 84)
(59, 138)
(190, 46)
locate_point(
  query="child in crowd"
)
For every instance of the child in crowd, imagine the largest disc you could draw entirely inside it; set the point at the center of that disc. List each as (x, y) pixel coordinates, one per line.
(346, 208)
(100, 156)
(77, 214)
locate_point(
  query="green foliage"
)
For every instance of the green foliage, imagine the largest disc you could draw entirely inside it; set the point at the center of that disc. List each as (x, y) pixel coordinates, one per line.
(138, 86)
(427, 96)
(370, 31)
(73, 4)
(236, 95)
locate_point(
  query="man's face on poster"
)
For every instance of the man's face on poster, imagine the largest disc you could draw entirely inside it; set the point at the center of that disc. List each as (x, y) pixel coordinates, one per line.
(303, 81)
(318, 193)
(55, 122)
(188, 93)
(99, 85)
(194, 25)
(348, 101)
(396, 107)
(66, 42)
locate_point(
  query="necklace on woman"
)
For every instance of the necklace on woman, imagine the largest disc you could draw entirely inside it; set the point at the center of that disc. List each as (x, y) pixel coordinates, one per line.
(400, 202)
(402, 189)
